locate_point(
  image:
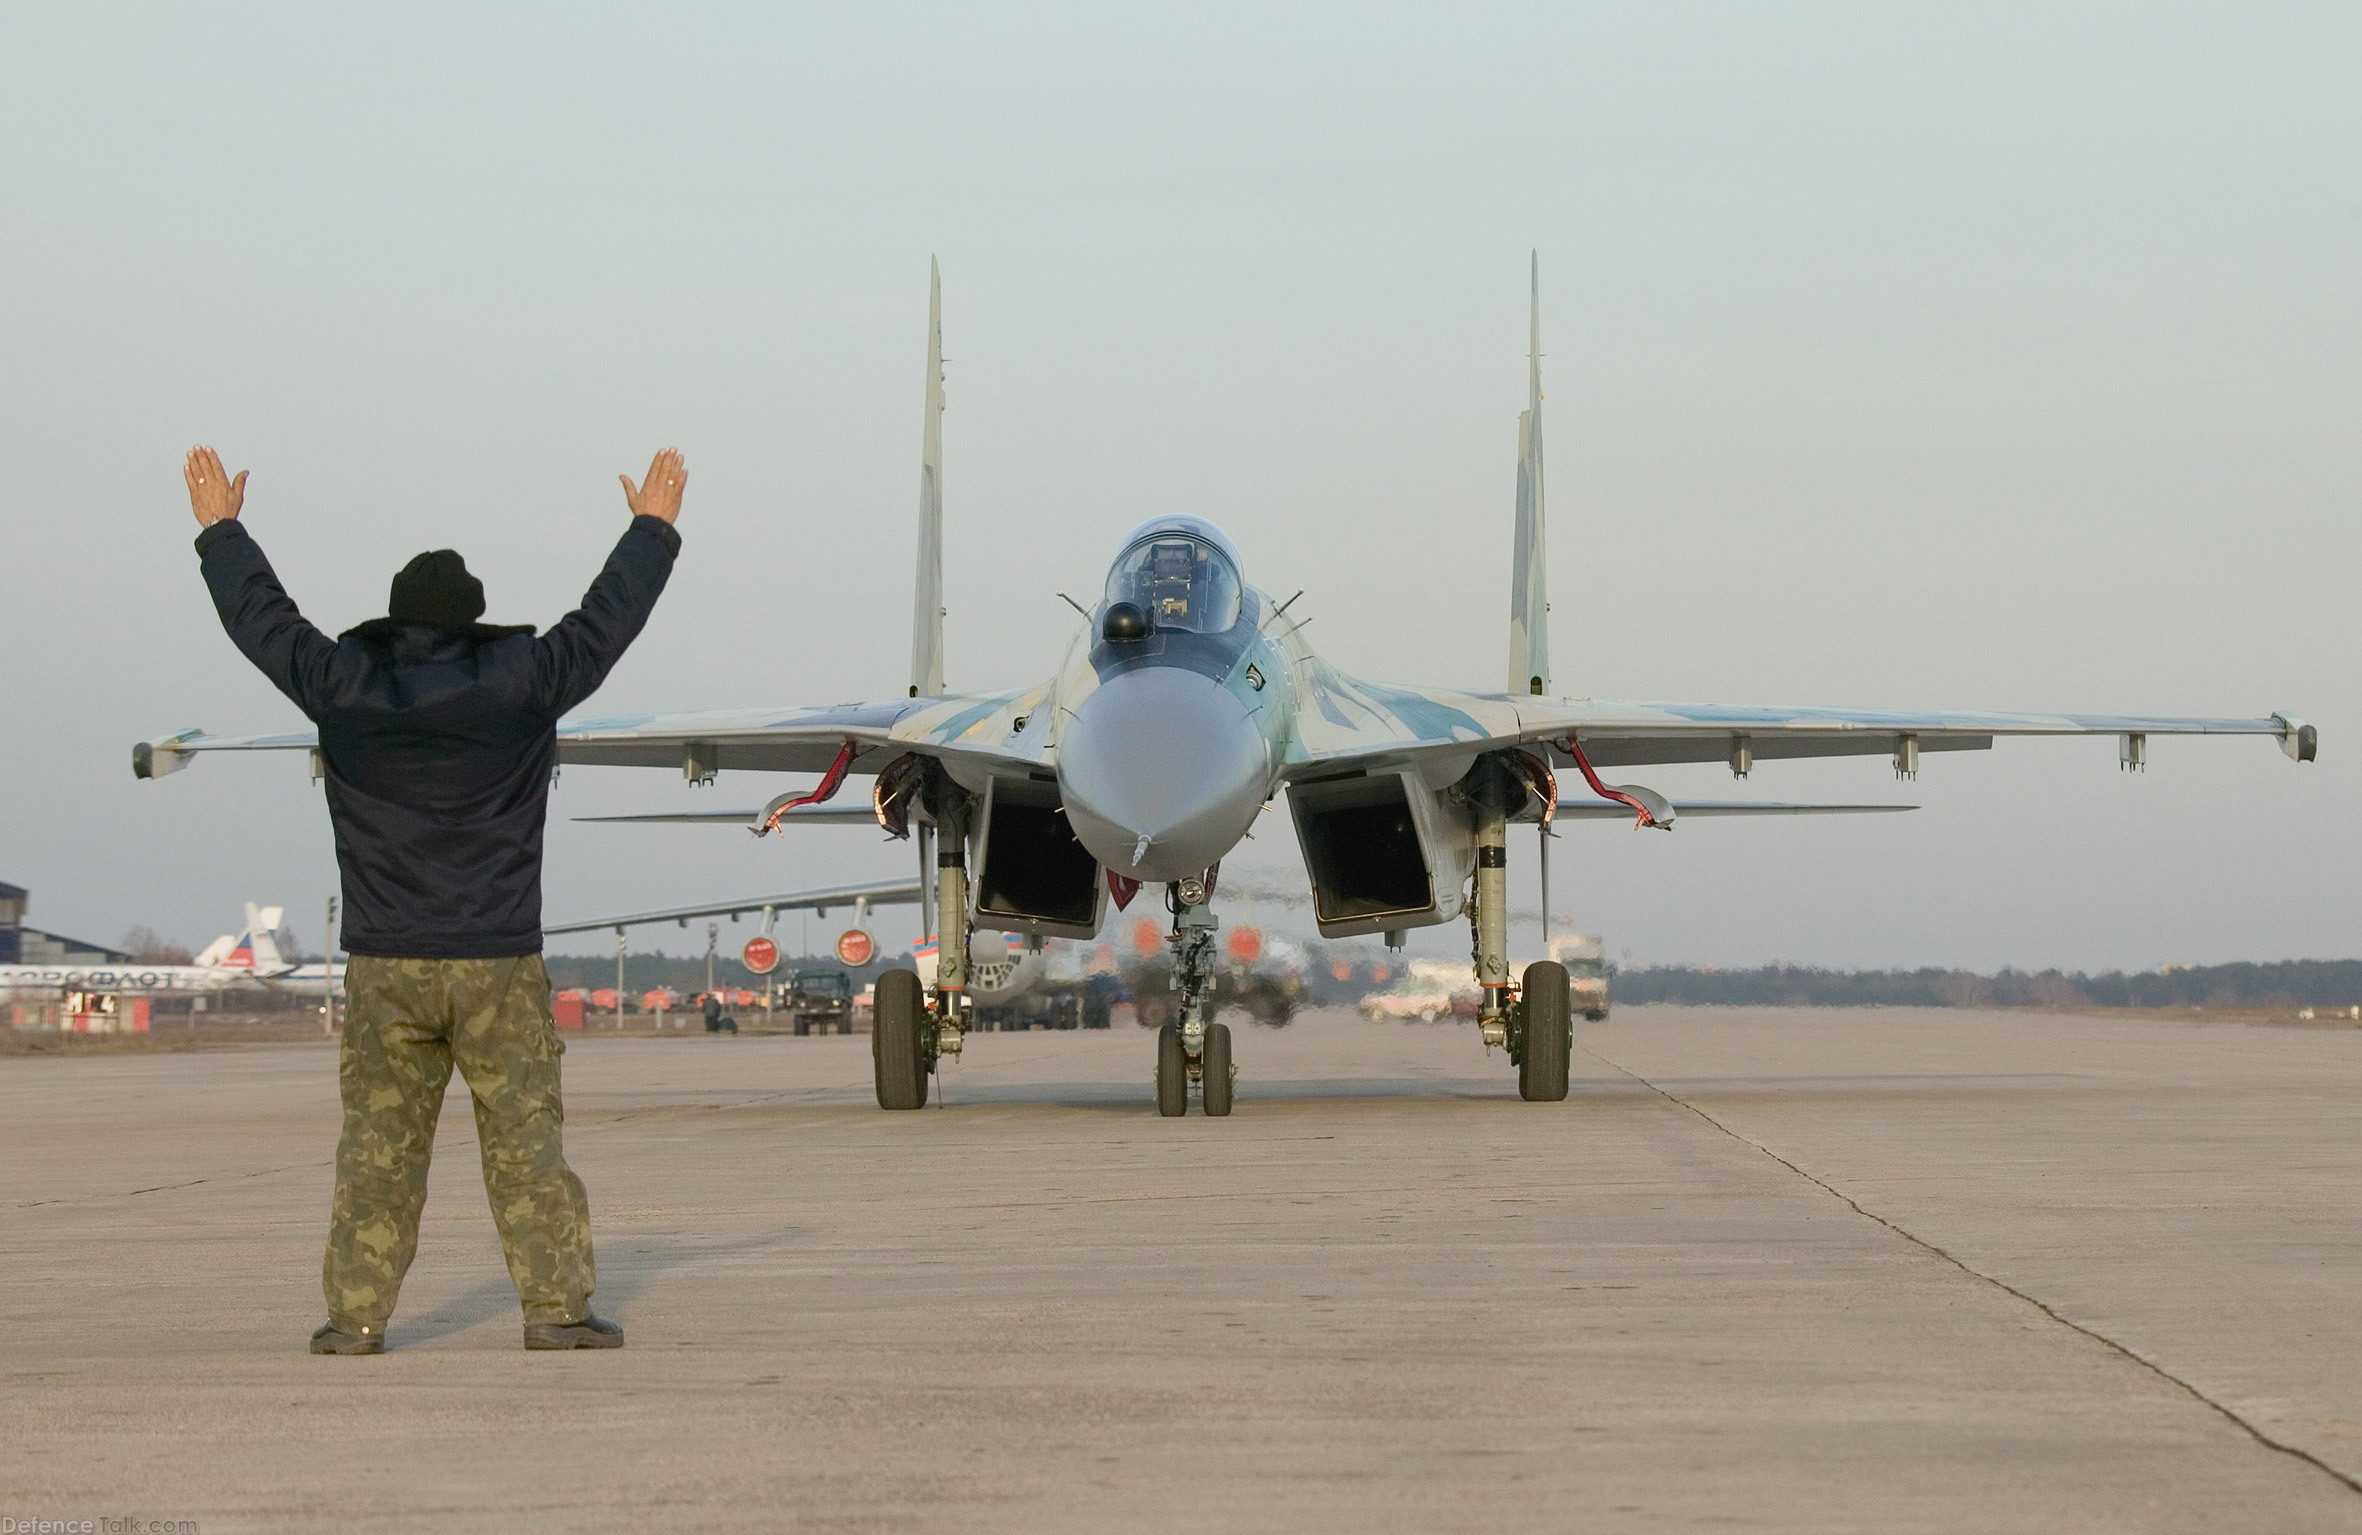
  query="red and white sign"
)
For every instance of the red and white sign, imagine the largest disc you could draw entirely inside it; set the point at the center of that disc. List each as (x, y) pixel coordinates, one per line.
(760, 955)
(1246, 945)
(855, 947)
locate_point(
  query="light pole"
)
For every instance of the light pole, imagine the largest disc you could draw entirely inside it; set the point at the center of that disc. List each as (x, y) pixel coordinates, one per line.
(713, 933)
(619, 980)
(328, 972)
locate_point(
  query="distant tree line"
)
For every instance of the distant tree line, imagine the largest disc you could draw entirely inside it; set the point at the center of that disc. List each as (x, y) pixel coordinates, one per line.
(2284, 983)
(144, 945)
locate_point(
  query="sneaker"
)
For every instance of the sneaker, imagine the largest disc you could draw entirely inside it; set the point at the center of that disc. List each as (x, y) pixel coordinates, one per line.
(332, 1339)
(590, 1332)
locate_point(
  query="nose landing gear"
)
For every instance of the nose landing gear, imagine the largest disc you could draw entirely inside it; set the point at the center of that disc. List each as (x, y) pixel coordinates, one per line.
(1211, 1072)
(1193, 1052)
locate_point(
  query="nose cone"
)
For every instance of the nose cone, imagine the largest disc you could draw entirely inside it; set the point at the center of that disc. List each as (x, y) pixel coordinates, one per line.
(1166, 755)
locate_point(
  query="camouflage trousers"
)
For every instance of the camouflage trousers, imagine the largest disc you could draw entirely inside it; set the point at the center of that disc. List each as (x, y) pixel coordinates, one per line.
(409, 1021)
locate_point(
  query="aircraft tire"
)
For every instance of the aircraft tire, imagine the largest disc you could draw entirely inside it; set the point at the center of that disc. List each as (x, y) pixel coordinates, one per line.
(895, 1039)
(1216, 1061)
(1172, 1073)
(1549, 1034)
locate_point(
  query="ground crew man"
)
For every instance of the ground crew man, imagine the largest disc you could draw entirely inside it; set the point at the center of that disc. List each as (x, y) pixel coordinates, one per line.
(438, 741)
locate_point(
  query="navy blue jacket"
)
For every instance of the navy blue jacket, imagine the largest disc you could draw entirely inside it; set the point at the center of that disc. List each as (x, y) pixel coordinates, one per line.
(439, 742)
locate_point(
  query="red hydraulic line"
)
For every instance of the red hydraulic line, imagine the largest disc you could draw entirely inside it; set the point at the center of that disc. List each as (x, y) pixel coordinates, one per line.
(1574, 749)
(1539, 779)
(829, 783)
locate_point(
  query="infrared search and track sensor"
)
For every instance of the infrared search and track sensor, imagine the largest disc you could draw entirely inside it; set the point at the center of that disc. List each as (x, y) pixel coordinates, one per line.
(1126, 622)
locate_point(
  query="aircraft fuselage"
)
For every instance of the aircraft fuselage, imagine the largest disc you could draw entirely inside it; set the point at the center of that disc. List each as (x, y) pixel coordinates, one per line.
(1170, 733)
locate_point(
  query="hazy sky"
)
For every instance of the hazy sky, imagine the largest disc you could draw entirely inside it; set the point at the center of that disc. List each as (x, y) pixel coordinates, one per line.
(1975, 357)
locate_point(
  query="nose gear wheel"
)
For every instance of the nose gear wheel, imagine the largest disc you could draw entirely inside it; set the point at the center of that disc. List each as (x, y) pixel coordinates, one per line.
(1215, 1070)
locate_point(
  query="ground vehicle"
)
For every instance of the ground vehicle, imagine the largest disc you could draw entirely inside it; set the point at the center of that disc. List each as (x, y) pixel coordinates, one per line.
(1430, 991)
(1586, 969)
(817, 999)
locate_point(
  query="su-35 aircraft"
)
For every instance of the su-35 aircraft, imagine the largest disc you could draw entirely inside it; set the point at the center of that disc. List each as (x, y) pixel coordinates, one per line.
(1184, 705)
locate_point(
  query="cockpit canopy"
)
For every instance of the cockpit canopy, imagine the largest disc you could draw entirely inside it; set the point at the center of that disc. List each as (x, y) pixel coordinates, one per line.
(1181, 572)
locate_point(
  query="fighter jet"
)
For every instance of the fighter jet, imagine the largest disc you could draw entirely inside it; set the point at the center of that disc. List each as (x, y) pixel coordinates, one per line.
(1185, 704)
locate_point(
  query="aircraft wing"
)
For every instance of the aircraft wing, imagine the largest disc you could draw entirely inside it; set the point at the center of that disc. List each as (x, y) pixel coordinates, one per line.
(169, 754)
(1626, 734)
(1352, 725)
(987, 728)
(903, 893)
(1612, 810)
(810, 815)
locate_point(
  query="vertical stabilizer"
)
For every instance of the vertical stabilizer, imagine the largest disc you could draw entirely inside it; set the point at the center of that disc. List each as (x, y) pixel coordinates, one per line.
(926, 615)
(262, 933)
(1529, 605)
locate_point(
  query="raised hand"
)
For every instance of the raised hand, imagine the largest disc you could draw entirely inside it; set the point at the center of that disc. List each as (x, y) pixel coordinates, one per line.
(213, 495)
(658, 496)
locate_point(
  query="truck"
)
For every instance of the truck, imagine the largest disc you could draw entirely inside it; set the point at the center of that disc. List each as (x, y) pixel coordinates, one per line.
(1585, 958)
(818, 998)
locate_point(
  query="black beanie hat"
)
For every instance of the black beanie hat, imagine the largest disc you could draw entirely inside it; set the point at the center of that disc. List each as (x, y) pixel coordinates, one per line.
(435, 588)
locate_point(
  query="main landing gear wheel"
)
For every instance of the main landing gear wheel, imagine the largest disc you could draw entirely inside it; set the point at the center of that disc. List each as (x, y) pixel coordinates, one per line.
(1214, 1058)
(897, 1041)
(1549, 1034)
(1172, 1073)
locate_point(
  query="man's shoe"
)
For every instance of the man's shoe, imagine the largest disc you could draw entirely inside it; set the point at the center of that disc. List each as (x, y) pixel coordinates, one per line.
(590, 1332)
(332, 1340)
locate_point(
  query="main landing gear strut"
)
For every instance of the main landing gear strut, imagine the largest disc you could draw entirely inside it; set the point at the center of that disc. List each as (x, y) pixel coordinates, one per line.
(910, 1031)
(1533, 1022)
(1193, 1053)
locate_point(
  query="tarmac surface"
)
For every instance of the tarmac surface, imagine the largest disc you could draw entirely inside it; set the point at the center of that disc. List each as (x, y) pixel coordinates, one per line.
(1764, 1269)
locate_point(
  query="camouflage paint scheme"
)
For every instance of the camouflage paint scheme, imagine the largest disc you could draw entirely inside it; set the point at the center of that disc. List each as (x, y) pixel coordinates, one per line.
(1318, 719)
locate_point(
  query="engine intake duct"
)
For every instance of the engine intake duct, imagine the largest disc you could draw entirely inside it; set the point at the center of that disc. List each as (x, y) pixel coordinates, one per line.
(1366, 855)
(1033, 875)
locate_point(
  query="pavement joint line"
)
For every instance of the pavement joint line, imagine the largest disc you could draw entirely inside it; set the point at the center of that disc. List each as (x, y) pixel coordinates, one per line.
(167, 1188)
(621, 1115)
(2294, 1452)
(1155, 1199)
